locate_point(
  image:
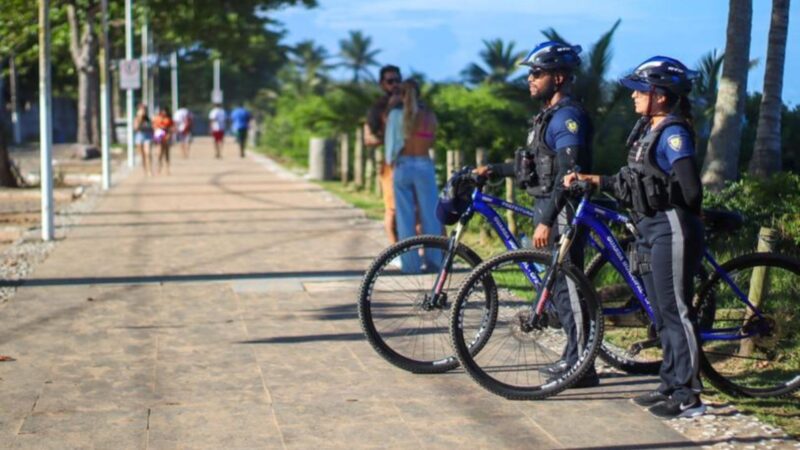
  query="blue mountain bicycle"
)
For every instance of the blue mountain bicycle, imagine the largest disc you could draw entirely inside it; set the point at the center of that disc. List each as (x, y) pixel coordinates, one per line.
(408, 288)
(746, 311)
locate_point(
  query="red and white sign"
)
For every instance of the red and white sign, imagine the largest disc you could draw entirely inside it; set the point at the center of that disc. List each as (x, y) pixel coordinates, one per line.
(130, 74)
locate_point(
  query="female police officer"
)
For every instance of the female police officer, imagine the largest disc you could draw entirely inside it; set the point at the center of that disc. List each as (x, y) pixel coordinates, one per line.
(662, 186)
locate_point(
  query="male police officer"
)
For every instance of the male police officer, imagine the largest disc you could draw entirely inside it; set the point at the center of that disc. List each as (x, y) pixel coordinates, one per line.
(558, 142)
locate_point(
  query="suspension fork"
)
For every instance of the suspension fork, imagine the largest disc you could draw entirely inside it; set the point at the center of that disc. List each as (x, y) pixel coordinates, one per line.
(441, 277)
(557, 261)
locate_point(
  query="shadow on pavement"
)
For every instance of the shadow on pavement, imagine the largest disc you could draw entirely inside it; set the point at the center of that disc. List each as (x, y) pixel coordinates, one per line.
(156, 279)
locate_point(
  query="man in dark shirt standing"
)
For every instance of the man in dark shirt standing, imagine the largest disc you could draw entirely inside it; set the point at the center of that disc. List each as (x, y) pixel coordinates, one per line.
(373, 136)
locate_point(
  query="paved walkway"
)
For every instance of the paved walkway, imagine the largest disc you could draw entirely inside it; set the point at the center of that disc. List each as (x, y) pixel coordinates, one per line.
(215, 308)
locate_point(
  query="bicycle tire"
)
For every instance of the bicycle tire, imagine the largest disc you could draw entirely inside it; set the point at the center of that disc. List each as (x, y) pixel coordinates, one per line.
(387, 343)
(504, 320)
(729, 369)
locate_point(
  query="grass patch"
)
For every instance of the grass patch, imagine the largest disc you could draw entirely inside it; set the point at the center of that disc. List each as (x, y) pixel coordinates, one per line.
(369, 202)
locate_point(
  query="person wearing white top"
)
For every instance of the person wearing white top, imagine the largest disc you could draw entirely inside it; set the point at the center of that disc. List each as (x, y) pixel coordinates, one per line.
(216, 119)
(183, 125)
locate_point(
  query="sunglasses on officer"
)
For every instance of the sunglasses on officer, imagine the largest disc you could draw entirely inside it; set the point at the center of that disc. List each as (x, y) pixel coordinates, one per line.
(536, 73)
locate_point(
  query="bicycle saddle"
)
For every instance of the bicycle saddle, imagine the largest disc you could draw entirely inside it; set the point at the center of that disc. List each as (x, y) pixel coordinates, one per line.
(721, 221)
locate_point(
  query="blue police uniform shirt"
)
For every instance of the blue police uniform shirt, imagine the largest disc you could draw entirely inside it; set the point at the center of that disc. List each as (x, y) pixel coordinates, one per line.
(567, 128)
(675, 143)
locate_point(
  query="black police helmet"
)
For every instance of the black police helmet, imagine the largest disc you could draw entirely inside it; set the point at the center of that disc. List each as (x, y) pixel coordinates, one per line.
(661, 72)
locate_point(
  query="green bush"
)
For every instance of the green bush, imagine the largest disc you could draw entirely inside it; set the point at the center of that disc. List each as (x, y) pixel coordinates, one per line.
(773, 203)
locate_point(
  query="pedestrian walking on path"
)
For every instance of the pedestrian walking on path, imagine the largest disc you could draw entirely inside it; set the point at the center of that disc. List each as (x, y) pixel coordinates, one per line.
(184, 120)
(216, 120)
(143, 129)
(162, 136)
(240, 123)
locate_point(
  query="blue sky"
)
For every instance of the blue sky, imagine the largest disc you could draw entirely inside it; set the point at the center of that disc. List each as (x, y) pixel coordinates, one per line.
(440, 37)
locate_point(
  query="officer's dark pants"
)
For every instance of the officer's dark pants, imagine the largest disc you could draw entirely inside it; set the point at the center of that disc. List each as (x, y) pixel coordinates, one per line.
(565, 294)
(673, 239)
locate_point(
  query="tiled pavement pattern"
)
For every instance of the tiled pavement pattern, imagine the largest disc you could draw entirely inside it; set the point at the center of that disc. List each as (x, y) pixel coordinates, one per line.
(215, 308)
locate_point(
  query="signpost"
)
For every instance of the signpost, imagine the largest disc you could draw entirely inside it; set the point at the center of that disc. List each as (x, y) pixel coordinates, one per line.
(130, 74)
(45, 122)
(216, 94)
(129, 91)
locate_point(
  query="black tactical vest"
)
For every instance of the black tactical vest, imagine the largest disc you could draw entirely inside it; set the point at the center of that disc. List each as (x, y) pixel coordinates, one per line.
(652, 189)
(544, 157)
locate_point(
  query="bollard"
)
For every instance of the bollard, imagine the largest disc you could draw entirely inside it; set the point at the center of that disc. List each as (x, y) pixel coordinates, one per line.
(510, 197)
(321, 158)
(759, 283)
(344, 158)
(480, 157)
(448, 165)
(358, 159)
(369, 170)
(378, 158)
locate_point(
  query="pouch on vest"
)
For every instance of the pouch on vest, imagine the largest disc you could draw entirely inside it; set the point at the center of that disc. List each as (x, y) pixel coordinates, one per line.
(545, 174)
(638, 197)
(524, 168)
(657, 195)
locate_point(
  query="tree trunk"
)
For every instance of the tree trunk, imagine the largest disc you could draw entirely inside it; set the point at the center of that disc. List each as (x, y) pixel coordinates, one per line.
(94, 101)
(722, 158)
(7, 178)
(767, 153)
(84, 55)
(13, 85)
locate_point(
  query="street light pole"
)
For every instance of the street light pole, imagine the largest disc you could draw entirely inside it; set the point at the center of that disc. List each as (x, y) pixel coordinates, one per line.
(129, 92)
(45, 121)
(105, 96)
(173, 62)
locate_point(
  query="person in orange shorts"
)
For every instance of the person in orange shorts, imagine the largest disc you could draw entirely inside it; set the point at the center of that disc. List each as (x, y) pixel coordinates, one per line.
(373, 136)
(163, 127)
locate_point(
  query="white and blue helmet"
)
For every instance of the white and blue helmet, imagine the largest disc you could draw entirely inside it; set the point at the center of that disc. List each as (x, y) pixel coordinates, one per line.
(661, 72)
(552, 55)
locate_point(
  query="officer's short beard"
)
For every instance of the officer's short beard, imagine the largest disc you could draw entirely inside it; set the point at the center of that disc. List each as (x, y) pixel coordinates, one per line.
(546, 94)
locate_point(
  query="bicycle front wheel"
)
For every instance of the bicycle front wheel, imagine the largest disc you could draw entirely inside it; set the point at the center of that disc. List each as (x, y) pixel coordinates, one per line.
(752, 352)
(401, 318)
(511, 357)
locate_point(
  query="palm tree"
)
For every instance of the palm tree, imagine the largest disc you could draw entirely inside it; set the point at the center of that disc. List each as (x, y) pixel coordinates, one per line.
(766, 158)
(310, 61)
(500, 63)
(357, 56)
(721, 162)
(705, 96)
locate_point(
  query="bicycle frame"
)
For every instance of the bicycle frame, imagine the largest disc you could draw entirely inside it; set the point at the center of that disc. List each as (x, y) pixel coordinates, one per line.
(483, 204)
(593, 216)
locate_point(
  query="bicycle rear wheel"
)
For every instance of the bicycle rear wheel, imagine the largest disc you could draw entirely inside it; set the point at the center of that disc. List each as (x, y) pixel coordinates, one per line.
(747, 354)
(630, 342)
(400, 319)
(511, 354)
